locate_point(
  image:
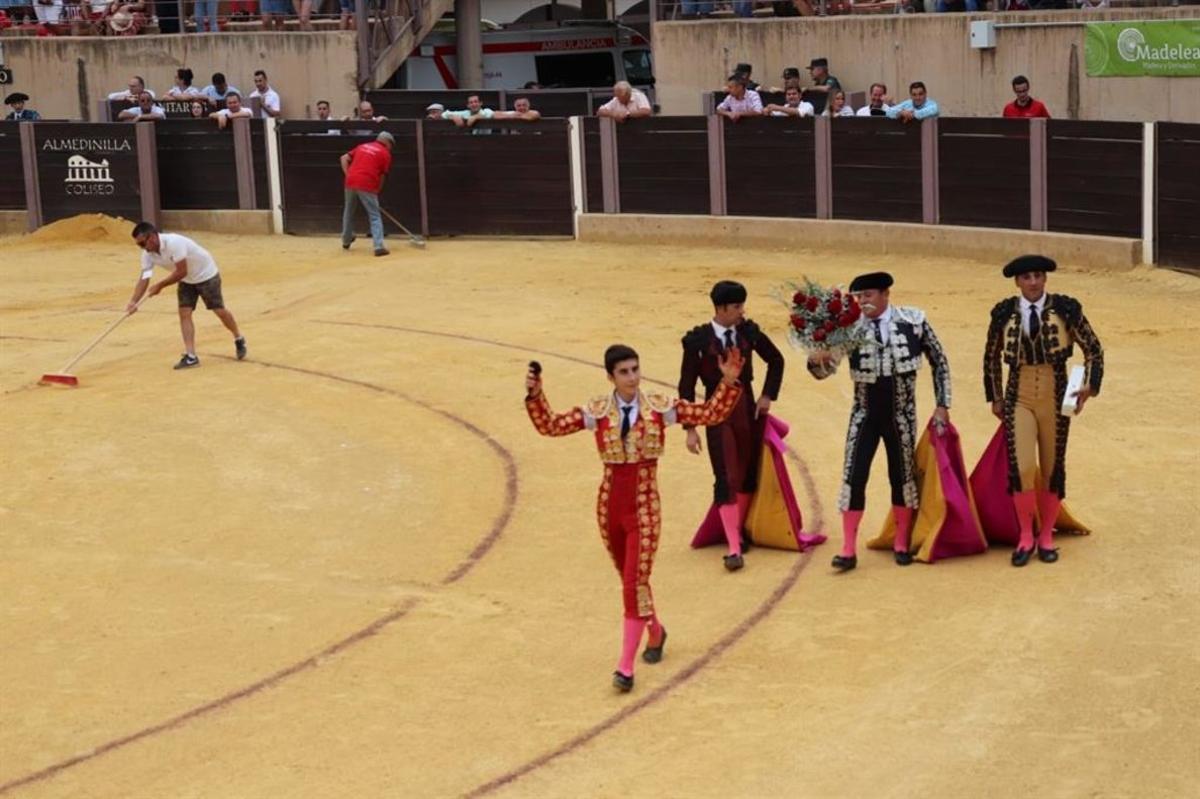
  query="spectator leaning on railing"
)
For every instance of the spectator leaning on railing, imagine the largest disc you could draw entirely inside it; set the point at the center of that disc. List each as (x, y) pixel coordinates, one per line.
(146, 110)
(268, 97)
(626, 103)
(323, 113)
(474, 112)
(919, 105)
(740, 101)
(1024, 106)
(218, 90)
(522, 109)
(364, 113)
(232, 110)
(435, 111)
(198, 109)
(878, 104)
(183, 88)
(793, 106)
(838, 107)
(130, 95)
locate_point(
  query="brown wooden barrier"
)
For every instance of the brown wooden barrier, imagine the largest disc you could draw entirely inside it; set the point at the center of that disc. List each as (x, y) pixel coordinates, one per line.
(1094, 177)
(196, 165)
(664, 165)
(12, 187)
(983, 172)
(769, 167)
(1178, 216)
(499, 178)
(593, 189)
(876, 169)
(258, 147)
(313, 181)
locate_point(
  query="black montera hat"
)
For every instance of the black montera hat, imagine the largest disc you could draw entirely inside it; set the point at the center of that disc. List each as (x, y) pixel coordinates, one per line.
(727, 292)
(871, 280)
(1029, 263)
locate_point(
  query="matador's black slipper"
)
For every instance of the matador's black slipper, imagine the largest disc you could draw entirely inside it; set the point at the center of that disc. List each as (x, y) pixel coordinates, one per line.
(622, 683)
(653, 654)
(734, 562)
(1047, 555)
(1021, 556)
(903, 558)
(844, 563)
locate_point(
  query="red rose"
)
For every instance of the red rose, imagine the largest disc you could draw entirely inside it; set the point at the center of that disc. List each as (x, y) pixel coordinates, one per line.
(837, 292)
(812, 303)
(798, 321)
(799, 297)
(818, 335)
(835, 306)
(845, 320)
(829, 326)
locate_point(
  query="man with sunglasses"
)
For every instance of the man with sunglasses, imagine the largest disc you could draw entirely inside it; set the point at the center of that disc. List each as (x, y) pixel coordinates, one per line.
(193, 268)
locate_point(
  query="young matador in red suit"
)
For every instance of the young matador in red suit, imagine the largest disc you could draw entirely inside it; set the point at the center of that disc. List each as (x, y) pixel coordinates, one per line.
(629, 426)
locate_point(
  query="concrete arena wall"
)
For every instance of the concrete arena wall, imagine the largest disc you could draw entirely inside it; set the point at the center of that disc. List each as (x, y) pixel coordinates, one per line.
(694, 57)
(66, 76)
(869, 238)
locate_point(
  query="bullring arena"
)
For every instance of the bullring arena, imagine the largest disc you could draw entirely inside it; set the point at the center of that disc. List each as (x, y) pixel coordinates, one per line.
(348, 566)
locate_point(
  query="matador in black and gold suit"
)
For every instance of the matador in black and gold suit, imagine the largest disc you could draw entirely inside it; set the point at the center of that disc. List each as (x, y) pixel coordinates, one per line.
(1034, 335)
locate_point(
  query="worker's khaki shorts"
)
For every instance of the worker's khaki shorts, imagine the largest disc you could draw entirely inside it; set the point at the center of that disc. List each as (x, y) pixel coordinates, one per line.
(209, 291)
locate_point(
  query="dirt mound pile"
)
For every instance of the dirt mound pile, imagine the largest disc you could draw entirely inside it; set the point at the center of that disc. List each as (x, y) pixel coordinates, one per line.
(84, 229)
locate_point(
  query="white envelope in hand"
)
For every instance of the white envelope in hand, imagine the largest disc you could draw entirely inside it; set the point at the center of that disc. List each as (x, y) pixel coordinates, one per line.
(1074, 383)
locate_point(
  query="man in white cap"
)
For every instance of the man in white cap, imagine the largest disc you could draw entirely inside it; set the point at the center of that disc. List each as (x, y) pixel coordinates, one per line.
(434, 111)
(365, 168)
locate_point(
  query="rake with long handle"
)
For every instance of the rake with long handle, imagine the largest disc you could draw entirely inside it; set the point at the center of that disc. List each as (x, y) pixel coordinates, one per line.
(63, 377)
(415, 240)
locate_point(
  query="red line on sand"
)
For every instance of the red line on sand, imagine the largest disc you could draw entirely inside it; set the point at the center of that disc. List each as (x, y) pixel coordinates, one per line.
(765, 608)
(456, 574)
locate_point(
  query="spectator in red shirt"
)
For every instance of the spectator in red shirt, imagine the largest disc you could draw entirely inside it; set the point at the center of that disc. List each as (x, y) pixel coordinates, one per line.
(365, 168)
(1024, 107)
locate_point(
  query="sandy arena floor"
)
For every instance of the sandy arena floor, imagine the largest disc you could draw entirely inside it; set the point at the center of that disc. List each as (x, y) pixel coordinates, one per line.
(349, 567)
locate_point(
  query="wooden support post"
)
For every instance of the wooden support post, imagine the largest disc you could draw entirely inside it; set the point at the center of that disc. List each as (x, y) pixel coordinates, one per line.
(243, 159)
(33, 196)
(716, 165)
(421, 181)
(930, 203)
(1038, 216)
(609, 166)
(147, 152)
(824, 167)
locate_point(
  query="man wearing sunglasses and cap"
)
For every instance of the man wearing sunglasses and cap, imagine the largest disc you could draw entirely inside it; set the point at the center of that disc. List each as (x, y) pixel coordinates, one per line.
(1034, 334)
(884, 370)
(19, 112)
(824, 84)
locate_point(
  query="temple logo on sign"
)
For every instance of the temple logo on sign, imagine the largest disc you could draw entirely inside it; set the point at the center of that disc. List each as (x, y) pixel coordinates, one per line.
(88, 177)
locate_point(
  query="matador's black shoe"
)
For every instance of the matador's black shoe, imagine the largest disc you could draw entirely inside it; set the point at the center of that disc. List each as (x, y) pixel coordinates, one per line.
(653, 654)
(622, 683)
(903, 557)
(1047, 555)
(1021, 556)
(734, 562)
(845, 563)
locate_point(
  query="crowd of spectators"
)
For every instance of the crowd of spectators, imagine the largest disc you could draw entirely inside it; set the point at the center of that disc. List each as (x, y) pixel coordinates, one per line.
(130, 17)
(218, 101)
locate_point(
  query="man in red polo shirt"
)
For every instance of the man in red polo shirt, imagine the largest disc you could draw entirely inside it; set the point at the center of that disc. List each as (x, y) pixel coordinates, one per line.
(1024, 107)
(365, 167)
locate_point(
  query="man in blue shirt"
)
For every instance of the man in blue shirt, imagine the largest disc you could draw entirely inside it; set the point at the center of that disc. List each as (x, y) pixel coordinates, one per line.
(919, 105)
(216, 91)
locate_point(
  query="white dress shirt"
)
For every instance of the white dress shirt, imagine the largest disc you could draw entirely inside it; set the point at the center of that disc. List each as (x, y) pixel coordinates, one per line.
(885, 324)
(720, 331)
(622, 405)
(1026, 305)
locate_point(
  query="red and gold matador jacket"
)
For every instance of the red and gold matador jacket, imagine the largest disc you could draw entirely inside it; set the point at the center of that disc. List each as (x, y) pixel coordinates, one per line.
(644, 442)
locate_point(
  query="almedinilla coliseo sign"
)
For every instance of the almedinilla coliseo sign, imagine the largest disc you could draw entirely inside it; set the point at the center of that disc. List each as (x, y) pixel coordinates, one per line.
(1160, 49)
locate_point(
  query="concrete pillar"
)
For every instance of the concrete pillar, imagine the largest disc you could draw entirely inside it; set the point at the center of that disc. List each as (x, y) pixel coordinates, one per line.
(469, 56)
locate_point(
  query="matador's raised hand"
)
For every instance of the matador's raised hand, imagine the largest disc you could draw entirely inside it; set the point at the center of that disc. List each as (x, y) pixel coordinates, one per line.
(731, 365)
(533, 379)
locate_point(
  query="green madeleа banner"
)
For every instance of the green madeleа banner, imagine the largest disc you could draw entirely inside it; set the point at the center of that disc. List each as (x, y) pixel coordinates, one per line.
(1159, 49)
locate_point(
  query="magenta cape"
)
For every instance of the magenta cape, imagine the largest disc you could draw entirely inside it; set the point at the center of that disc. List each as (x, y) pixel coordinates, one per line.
(774, 518)
(945, 525)
(989, 483)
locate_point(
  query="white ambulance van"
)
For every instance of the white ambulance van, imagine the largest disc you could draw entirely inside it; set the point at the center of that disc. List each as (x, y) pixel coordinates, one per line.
(572, 56)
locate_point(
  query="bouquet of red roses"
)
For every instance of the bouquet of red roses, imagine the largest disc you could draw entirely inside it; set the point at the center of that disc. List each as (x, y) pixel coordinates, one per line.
(823, 318)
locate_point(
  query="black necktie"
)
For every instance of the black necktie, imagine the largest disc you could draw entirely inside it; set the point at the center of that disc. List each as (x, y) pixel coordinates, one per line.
(878, 329)
(625, 410)
(729, 339)
(1035, 324)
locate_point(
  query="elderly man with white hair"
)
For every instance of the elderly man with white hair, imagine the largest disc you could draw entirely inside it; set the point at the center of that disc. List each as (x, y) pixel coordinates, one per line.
(627, 103)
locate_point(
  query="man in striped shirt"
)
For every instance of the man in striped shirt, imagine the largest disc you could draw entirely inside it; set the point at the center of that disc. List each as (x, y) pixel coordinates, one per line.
(740, 101)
